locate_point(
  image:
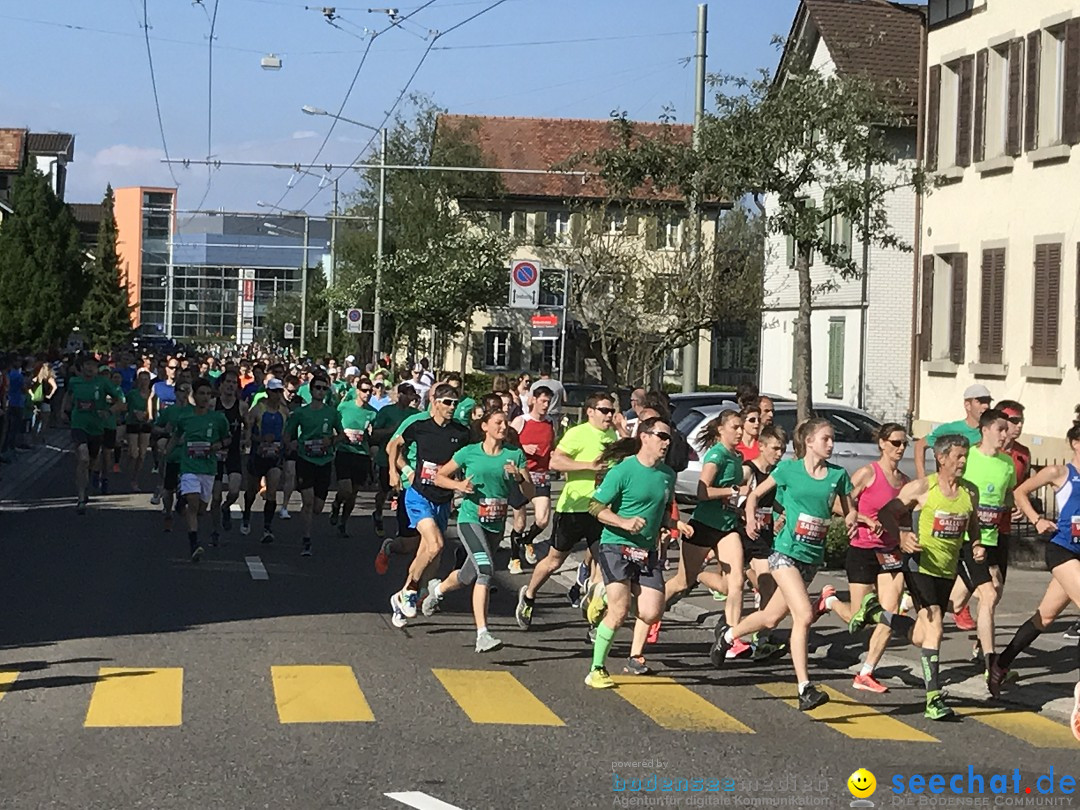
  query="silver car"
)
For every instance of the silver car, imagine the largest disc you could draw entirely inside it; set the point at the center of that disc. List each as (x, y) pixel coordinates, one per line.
(854, 445)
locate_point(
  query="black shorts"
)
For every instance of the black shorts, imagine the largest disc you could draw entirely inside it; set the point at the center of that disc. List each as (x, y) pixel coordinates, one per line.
(705, 536)
(172, 475)
(313, 476)
(354, 467)
(618, 563)
(93, 443)
(135, 428)
(1056, 555)
(926, 590)
(232, 465)
(108, 438)
(571, 528)
(864, 564)
(260, 466)
(759, 549)
(516, 499)
(975, 573)
(382, 474)
(291, 455)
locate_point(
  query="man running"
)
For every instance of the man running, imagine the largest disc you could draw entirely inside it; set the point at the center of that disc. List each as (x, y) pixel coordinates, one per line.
(387, 421)
(976, 401)
(353, 461)
(231, 461)
(537, 436)
(165, 423)
(85, 405)
(265, 435)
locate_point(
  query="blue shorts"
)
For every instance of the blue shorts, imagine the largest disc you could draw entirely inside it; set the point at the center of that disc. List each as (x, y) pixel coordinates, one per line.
(420, 508)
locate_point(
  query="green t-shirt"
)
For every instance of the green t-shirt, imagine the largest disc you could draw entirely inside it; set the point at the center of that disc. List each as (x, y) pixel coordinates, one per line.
(486, 505)
(339, 387)
(304, 393)
(195, 433)
(390, 417)
(356, 421)
(310, 427)
(807, 504)
(631, 489)
(136, 410)
(943, 529)
(214, 373)
(410, 449)
(961, 427)
(582, 443)
(167, 419)
(90, 401)
(721, 514)
(463, 411)
(994, 477)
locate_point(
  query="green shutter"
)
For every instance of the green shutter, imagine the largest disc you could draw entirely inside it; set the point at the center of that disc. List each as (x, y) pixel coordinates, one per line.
(539, 227)
(794, 354)
(517, 225)
(650, 233)
(790, 240)
(631, 225)
(576, 229)
(835, 385)
(494, 221)
(845, 237)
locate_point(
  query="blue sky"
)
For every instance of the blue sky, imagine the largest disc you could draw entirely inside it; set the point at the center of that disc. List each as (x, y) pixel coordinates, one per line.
(82, 67)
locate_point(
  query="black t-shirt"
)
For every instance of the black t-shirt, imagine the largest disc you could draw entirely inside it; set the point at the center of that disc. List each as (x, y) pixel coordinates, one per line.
(435, 445)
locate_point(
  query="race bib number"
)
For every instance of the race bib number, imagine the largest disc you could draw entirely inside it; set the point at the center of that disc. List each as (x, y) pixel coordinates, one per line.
(890, 560)
(764, 518)
(86, 405)
(540, 478)
(355, 436)
(270, 449)
(427, 473)
(315, 448)
(635, 555)
(990, 516)
(1075, 526)
(811, 530)
(491, 510)
(198, 449)
(948, 526)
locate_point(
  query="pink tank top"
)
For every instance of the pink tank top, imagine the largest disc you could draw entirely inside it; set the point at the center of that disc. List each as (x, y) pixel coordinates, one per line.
(872, 499)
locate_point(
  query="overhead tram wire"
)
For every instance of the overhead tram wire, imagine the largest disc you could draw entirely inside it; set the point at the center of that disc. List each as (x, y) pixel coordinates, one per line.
(209, 104)
(157, 100)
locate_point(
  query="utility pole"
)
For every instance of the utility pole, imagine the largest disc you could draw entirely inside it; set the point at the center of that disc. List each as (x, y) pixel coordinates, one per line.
(333, 275)
(690, 351)
(376, 339)
(303, 291)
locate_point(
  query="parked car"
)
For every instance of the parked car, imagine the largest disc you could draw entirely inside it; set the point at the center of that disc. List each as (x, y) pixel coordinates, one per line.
(854, 445)
(682, 404)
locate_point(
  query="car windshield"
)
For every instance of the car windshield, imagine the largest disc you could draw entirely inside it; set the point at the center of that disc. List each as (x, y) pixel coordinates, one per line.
(849, 426)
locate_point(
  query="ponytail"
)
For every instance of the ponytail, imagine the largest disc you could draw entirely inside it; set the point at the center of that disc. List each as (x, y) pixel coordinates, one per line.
(1074, 432)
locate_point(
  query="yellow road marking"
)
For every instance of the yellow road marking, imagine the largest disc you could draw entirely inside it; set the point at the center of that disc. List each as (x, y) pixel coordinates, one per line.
(319, 694)
(132, 696)
(671, 705)
(488, 696)
(1030, 727)
(7, 678)
(849, 717)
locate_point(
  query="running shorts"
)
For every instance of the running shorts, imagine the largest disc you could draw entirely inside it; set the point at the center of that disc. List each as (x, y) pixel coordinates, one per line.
(232, 465)
(638, 566)
(705, 536)
(864, 564)
(353, 467)
(778, 561)
(93, 443)
(172, 475)
(135, 428)
(108, 438)
(926, 590)
(420, 508)
(197, 484)
(1056, 555)
(313, 476)
(571, 528)
(260, 466)
(516, 499)
(759, 549)
(383, 475)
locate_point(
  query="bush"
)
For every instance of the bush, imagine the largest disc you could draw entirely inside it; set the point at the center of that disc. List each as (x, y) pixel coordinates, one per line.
(836, 544)
(477, 384)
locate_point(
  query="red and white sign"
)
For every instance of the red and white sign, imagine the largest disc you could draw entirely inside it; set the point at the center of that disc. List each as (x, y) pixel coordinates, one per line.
(249, 289)
(525, 284)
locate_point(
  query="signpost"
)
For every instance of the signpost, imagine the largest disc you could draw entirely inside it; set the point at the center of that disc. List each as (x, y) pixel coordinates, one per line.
(290, 331)
(355, 319)
(525, 284)
(546, 326)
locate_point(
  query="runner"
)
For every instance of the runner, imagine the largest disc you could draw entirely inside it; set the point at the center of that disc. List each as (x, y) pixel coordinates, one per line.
(353, 460)
(1062, 561)
(312, 431)
(748, 446)
(265, 435)
(948, 518)
(976, 401)
(165, 423)
(488, 469)
(110, 437)
(199, 434)
(428, 505)
(138, 425)
(577, 455)
(632, 505)
(386, 422)
(808, 486)
(85, 404)
(768, 410)
(874, 559)
(231, 461)
(537, 436)
(288, 478)
(162, 397)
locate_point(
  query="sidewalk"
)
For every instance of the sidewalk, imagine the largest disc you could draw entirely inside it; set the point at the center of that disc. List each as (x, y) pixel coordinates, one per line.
(17, 480)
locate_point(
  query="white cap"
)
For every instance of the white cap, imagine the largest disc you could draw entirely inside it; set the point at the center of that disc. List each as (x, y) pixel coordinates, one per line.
(352, 371)
(350, 359)
(976, 391)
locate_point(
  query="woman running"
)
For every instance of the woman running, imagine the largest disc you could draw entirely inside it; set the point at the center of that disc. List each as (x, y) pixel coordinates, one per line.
(488, 468)
(748, 446)
(874, 561)
(138, 425)
(632, 505)
(1062, 560)
(808, 487)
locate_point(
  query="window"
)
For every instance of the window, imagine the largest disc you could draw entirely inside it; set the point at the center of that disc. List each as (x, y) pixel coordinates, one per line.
(834, 387)
(558, 226)
(513, 223)
(614, 222)
(944, 289)
(1045, 321)
(673, 362)
(852, 426)
(943, 11)
(497, 348)
(672, 231)
(1048, 62)
(992, 306)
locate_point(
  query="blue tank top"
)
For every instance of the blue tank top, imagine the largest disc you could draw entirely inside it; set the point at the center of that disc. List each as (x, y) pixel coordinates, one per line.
(271, 423)
(1068, 503)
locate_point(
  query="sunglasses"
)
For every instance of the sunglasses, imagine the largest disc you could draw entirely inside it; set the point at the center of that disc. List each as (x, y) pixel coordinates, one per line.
(290, 390)
(605, 411)
(751, 419)
(661, 435)
(1016, 420)
(448, 402)
(319, 388)
(172, 368)
(898, 442)
(983, 400)
(365, 389)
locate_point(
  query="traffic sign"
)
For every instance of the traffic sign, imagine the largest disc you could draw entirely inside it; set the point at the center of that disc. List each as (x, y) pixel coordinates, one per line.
(525, 284)
(290, 331)
(355, 320)
(545, 326)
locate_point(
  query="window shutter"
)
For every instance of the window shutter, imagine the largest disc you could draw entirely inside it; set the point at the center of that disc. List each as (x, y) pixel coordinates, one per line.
(539, 227)
(992, 306)
(1031, 91)
(1045, 319)
(958, 307)
(494, 221)
(631, 228)
(926, 317)
(651, 226)
(1070, 125)
(933, 117)
(834, 387)
(845, 237)
(789, 240)
(517, 225)
(1016, 72)
(576, 229)
(978, 128)
(965, 70)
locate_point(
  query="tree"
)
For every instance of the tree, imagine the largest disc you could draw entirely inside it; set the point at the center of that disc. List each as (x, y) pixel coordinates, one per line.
(287, 309)
(41, 267)
(106, 313)
(441, 263)
(782, 139)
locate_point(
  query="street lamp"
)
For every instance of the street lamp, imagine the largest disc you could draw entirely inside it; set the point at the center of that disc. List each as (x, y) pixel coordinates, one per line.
(376, 340)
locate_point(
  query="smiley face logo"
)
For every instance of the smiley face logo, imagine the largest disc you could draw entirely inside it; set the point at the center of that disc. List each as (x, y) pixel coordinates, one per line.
(862, 784)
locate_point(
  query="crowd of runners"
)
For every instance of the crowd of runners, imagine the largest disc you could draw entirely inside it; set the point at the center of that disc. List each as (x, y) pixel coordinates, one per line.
(200, 435)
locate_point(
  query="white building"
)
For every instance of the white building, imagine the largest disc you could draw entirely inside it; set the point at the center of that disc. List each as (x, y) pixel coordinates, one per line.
(861, 328)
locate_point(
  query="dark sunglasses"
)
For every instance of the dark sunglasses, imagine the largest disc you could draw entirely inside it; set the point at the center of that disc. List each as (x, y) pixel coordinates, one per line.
(1016, 420)
(448, 402)
(898, 442)
(320, 388)
(661, 435)
(365, 389)
(172, 368)
(983, 400)
(605, 411)
(290, 390)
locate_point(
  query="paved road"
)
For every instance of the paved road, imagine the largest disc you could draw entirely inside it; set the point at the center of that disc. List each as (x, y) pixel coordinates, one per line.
(136, 679)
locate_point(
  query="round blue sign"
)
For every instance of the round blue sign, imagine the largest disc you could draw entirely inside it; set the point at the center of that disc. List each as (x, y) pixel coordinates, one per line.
(525, 274)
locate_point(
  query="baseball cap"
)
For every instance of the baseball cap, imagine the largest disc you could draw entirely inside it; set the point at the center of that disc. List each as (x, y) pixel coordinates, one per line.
(274, 384)
(976, 391)
(352, 371)
(350, 359)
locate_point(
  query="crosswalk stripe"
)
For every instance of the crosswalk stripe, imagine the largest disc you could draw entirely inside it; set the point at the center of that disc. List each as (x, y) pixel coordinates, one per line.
(319, 694)
(671, 705)
(133, 696)
(7, 678)
(489, 696)
(849, 717)
(1030, 727)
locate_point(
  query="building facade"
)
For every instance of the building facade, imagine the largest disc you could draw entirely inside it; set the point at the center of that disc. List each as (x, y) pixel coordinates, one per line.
(861, 328)
(1000, 251)
(49, 152)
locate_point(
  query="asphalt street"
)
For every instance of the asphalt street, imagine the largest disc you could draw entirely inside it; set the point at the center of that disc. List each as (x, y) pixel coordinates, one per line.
(132, 678)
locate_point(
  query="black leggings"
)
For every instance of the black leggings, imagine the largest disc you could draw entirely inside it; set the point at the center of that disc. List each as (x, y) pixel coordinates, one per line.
(480, 566)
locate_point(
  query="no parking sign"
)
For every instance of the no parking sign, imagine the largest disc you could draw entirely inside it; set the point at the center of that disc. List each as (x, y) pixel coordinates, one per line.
(355, 319)
(525, 284)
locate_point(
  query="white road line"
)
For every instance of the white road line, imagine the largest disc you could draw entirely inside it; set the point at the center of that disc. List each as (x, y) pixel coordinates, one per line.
(421, 801)
(256, 568)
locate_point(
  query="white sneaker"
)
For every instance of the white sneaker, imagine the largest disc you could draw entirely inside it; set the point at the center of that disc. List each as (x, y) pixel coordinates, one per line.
(430, 605)
(530, 554)
(283, 513)
(408, 600)
(397, 617)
